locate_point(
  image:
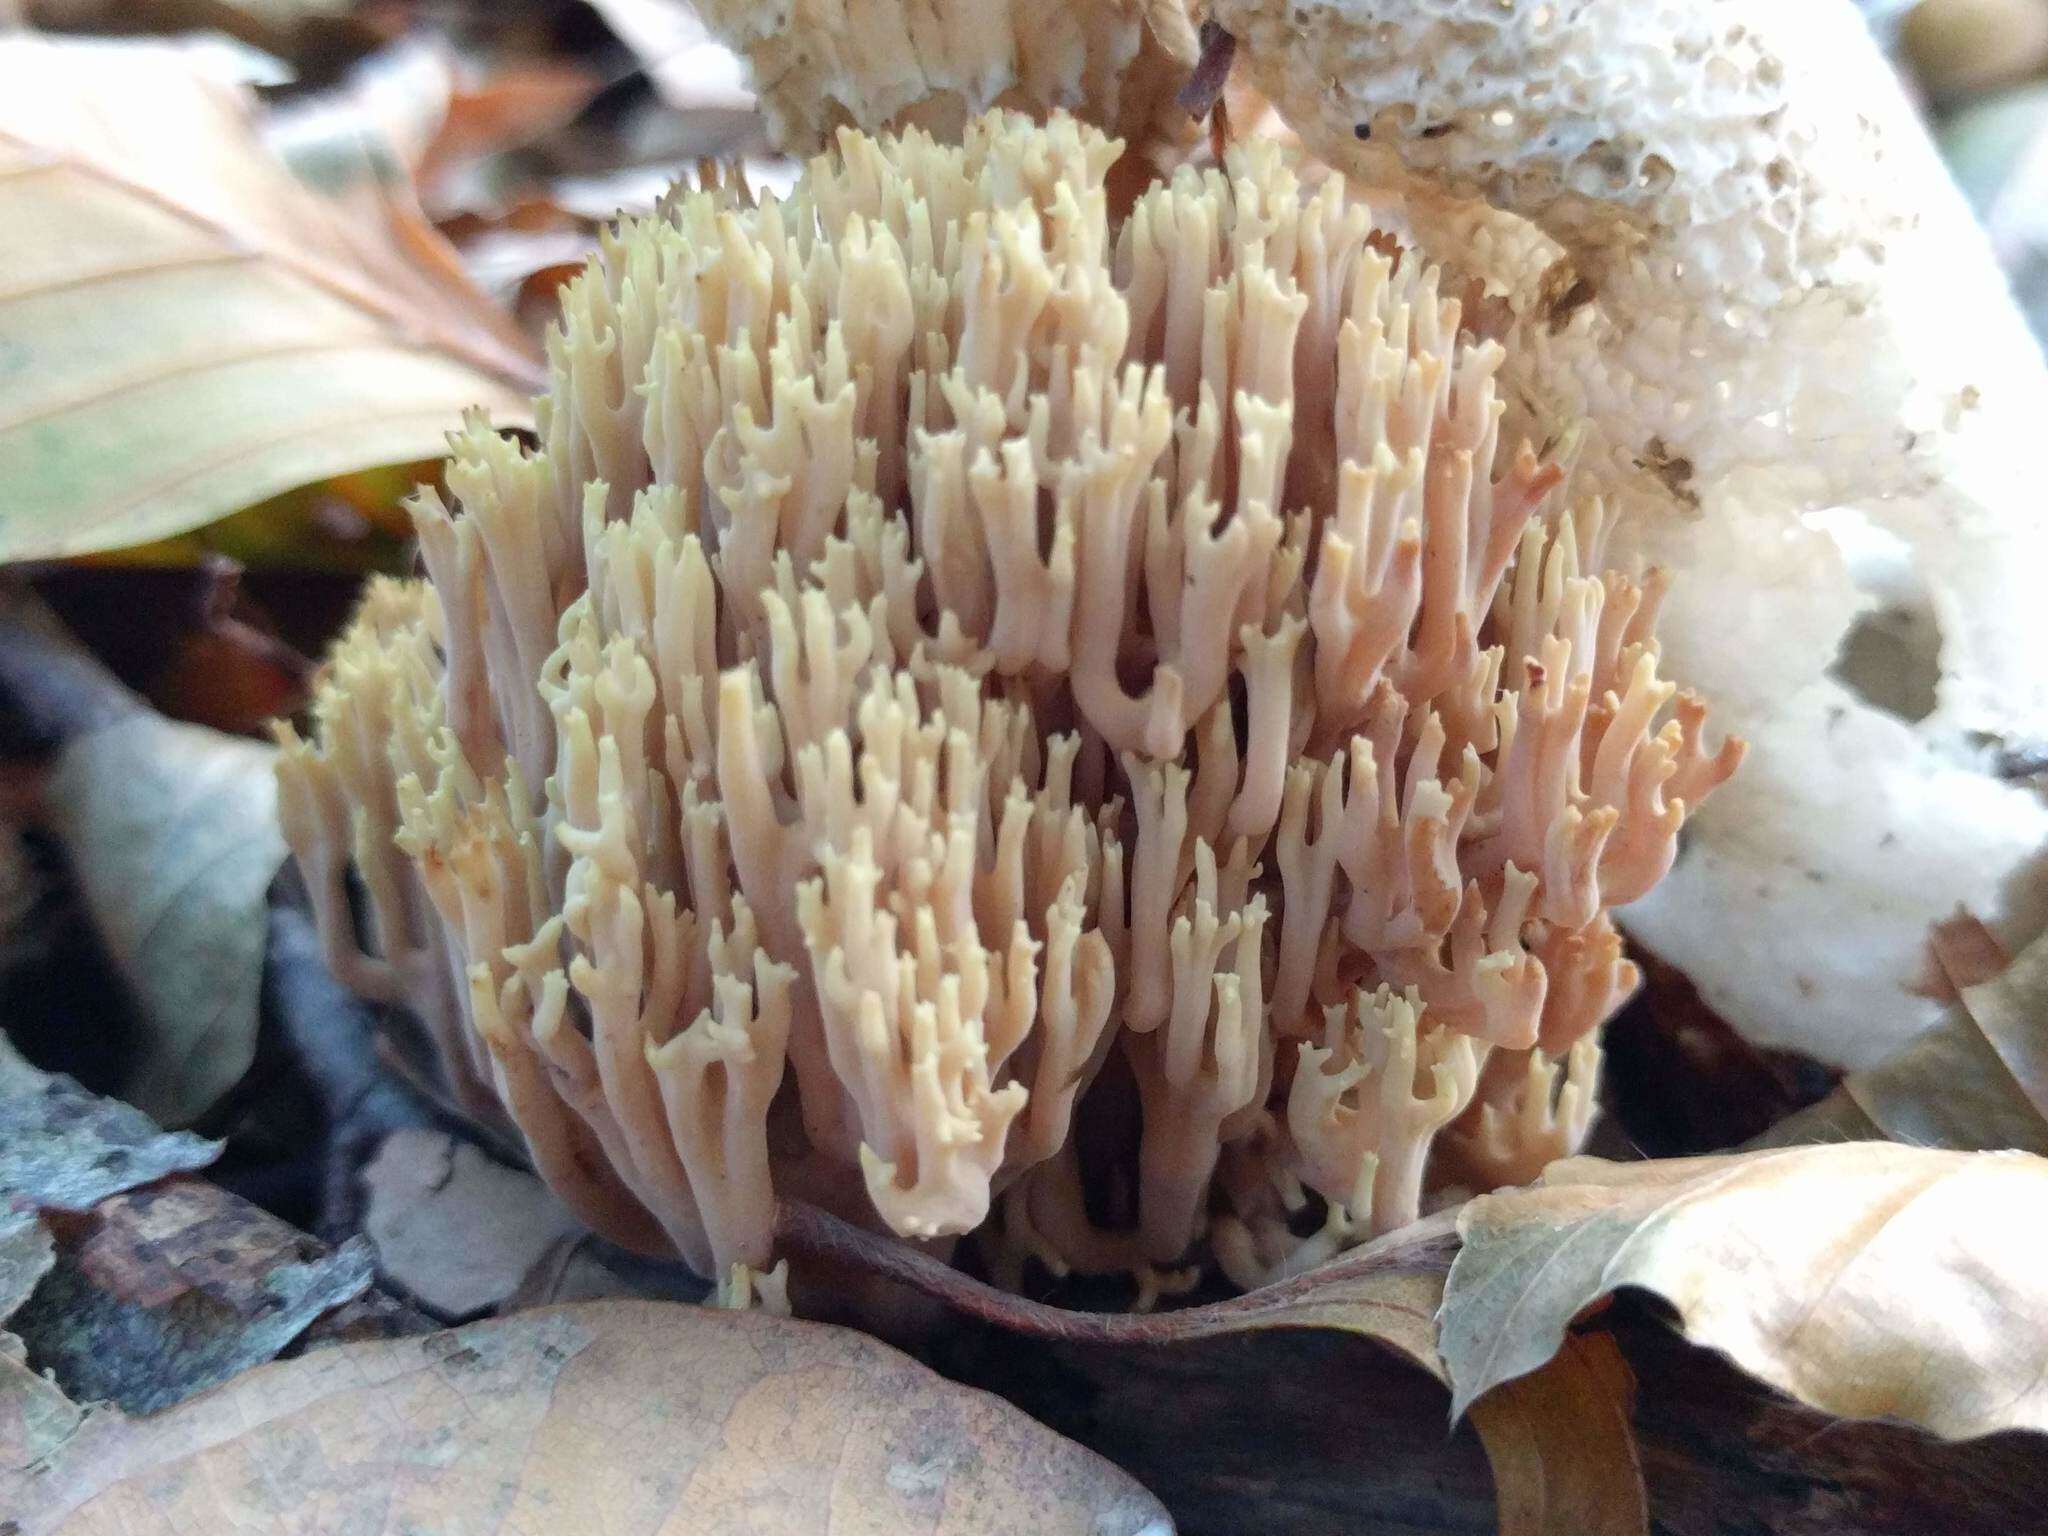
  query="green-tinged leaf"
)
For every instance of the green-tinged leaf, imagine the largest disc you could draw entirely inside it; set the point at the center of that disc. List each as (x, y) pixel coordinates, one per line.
(172, 833)
(1867, 1280)
(186, 329)
(619, 1416)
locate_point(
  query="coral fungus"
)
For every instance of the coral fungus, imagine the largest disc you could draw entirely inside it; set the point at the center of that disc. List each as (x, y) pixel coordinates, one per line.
(1030, 674)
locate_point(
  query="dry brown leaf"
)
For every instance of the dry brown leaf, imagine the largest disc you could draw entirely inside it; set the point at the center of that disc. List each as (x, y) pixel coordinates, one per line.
(1388, 1290)
(512, 106)
(1868, 1280)
(186, 329)
(1562, 1447)
(617, 1416)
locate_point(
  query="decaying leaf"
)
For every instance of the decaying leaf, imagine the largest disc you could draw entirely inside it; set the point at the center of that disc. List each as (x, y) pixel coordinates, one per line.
(66, 1149)
(187, 328)
(162, 1297)
(128, 1281)
(171, 831)
(1867, 1280)
(290, 29)
(633, 1416)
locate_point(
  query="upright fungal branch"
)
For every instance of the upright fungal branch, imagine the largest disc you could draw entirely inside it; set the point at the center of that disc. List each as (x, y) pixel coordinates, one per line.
(960, 670)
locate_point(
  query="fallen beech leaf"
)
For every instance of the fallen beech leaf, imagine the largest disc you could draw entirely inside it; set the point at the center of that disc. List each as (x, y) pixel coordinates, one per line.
(299, 30)
(171, 832)
(1962, 953)
(621, 1416)
(1975, 1082)
(2011, 1008)
(67, 1150)
(1562, 1448)
(1388, 1290)
(189, 329)
(1867, 1280)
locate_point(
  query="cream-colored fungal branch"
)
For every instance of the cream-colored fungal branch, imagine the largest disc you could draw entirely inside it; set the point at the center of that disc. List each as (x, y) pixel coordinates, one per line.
(1727, 262)
(867, 63)
(998, 718)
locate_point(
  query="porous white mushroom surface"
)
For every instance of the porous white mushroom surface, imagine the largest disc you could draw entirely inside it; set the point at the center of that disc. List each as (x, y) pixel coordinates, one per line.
(1733, 248)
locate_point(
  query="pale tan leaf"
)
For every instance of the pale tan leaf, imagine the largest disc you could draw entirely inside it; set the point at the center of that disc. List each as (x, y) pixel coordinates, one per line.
(1866, 1279)
(1976, 1081)
(171, 831)
(452, 1229)
(647, 1417)
(1962, 952)
(2011, 1008)
(1562, 1448)
(185, 328)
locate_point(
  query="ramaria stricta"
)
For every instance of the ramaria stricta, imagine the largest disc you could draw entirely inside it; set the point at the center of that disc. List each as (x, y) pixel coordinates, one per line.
(994, 720)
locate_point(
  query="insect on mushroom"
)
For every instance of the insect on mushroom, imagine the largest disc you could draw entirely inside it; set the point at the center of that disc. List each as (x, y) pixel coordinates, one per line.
(958, 668)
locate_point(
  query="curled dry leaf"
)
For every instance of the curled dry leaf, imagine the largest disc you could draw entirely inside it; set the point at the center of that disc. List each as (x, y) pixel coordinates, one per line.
(1561, 1445)
(187, 328)
(1559, 1441)
(619, 1415)
(171, 832)
(1867, 1280)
